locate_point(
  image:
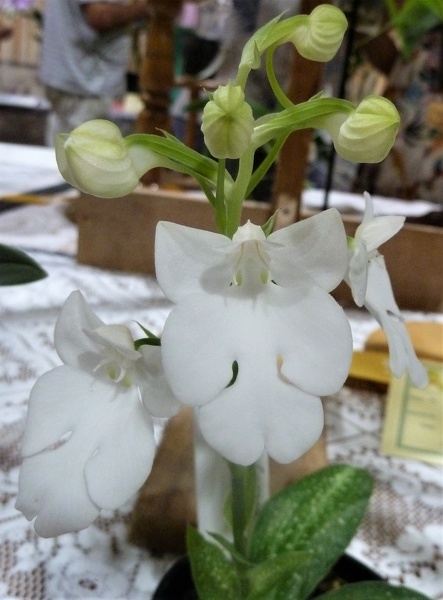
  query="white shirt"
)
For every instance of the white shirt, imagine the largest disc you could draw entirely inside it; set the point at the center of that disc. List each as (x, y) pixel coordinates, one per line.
(77, 59)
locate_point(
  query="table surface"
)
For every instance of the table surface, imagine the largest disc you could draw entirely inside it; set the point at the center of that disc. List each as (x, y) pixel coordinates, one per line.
(402, 534)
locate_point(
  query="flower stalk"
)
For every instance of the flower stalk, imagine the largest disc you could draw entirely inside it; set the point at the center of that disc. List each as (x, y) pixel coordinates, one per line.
(244, 488)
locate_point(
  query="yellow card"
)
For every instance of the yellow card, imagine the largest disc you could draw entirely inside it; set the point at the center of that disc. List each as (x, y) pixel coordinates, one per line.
(370, 366)
(413, 425)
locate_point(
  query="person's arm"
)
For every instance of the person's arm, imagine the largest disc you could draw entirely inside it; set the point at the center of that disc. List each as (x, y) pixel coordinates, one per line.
(104, 16)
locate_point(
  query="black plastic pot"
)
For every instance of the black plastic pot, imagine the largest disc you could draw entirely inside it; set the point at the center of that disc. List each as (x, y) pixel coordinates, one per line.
(177, 584)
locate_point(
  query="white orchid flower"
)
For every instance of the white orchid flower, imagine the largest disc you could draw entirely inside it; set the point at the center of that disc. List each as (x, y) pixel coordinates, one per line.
(371, 286)
(88, 443)
(369, 235)
(380, 302)
(255, 337)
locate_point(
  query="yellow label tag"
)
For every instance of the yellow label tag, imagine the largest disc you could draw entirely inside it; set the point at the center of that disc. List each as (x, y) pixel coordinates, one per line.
(370, 366)
(413, 424)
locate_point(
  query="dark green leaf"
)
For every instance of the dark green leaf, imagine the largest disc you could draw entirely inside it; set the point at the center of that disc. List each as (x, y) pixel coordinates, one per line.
(318, 514)
(214, 576)
(16, 267)
(372, 590)
(265, 576)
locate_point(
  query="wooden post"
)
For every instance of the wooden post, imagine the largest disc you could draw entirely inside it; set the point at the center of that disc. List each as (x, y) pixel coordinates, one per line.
(157, 68)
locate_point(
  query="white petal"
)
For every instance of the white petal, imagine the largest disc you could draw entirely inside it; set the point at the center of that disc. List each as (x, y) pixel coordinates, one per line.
(369, 207)
(74, 347)
(126, 450)
(56, 496)
(313, 250)
(261, 413)
(381, 304)
(232, 426)
(294, 427)
(189, 260)
(197, 362)
(157, 396)
(90, 441)
(378, 230)
(358, 273)
(304, 329)
(118, 336)
(316, 343)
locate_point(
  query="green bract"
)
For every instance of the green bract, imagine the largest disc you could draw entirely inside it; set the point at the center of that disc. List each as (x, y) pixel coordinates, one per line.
(316, 36)
(94, 159)
(227, 122)
(322, 35)
(367, 133)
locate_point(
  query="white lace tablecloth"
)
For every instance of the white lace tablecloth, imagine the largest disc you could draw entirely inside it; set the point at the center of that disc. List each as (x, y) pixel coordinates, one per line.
(401, 537)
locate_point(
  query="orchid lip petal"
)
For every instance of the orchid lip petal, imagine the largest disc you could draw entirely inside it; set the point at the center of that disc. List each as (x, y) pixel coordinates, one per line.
(280, 324)
(266, 323)
(105, 466)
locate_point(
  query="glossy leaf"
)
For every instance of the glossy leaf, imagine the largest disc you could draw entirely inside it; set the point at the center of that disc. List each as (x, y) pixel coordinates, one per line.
(214, 575)
(265, 576)
(319, 514)
(16, 267)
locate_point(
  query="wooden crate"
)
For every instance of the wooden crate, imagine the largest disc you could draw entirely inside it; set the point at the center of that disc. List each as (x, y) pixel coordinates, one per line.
(119, 234)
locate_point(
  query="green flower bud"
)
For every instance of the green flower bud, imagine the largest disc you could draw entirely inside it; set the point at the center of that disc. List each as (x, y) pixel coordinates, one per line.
(228, 122)
(366, 134)
(369, 134)
(319, 36)
(94, 159)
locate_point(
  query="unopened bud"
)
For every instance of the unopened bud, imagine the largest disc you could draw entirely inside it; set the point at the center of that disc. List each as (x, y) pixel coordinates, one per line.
(367, 134)
(228, 122)
(94, 159)
(319, 36)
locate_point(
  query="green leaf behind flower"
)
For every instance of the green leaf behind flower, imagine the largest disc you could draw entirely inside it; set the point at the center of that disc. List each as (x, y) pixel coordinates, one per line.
(318, 514)
(264, 577)
(16, 267)
(214, 576)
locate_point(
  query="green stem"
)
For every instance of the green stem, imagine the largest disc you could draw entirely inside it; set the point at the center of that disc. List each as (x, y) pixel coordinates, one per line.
(244, 487)
(220, 205)
(263, 168)
(234, 204)
(276, 88)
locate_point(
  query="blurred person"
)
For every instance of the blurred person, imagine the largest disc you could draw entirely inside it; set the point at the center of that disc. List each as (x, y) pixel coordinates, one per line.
(85, 53)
